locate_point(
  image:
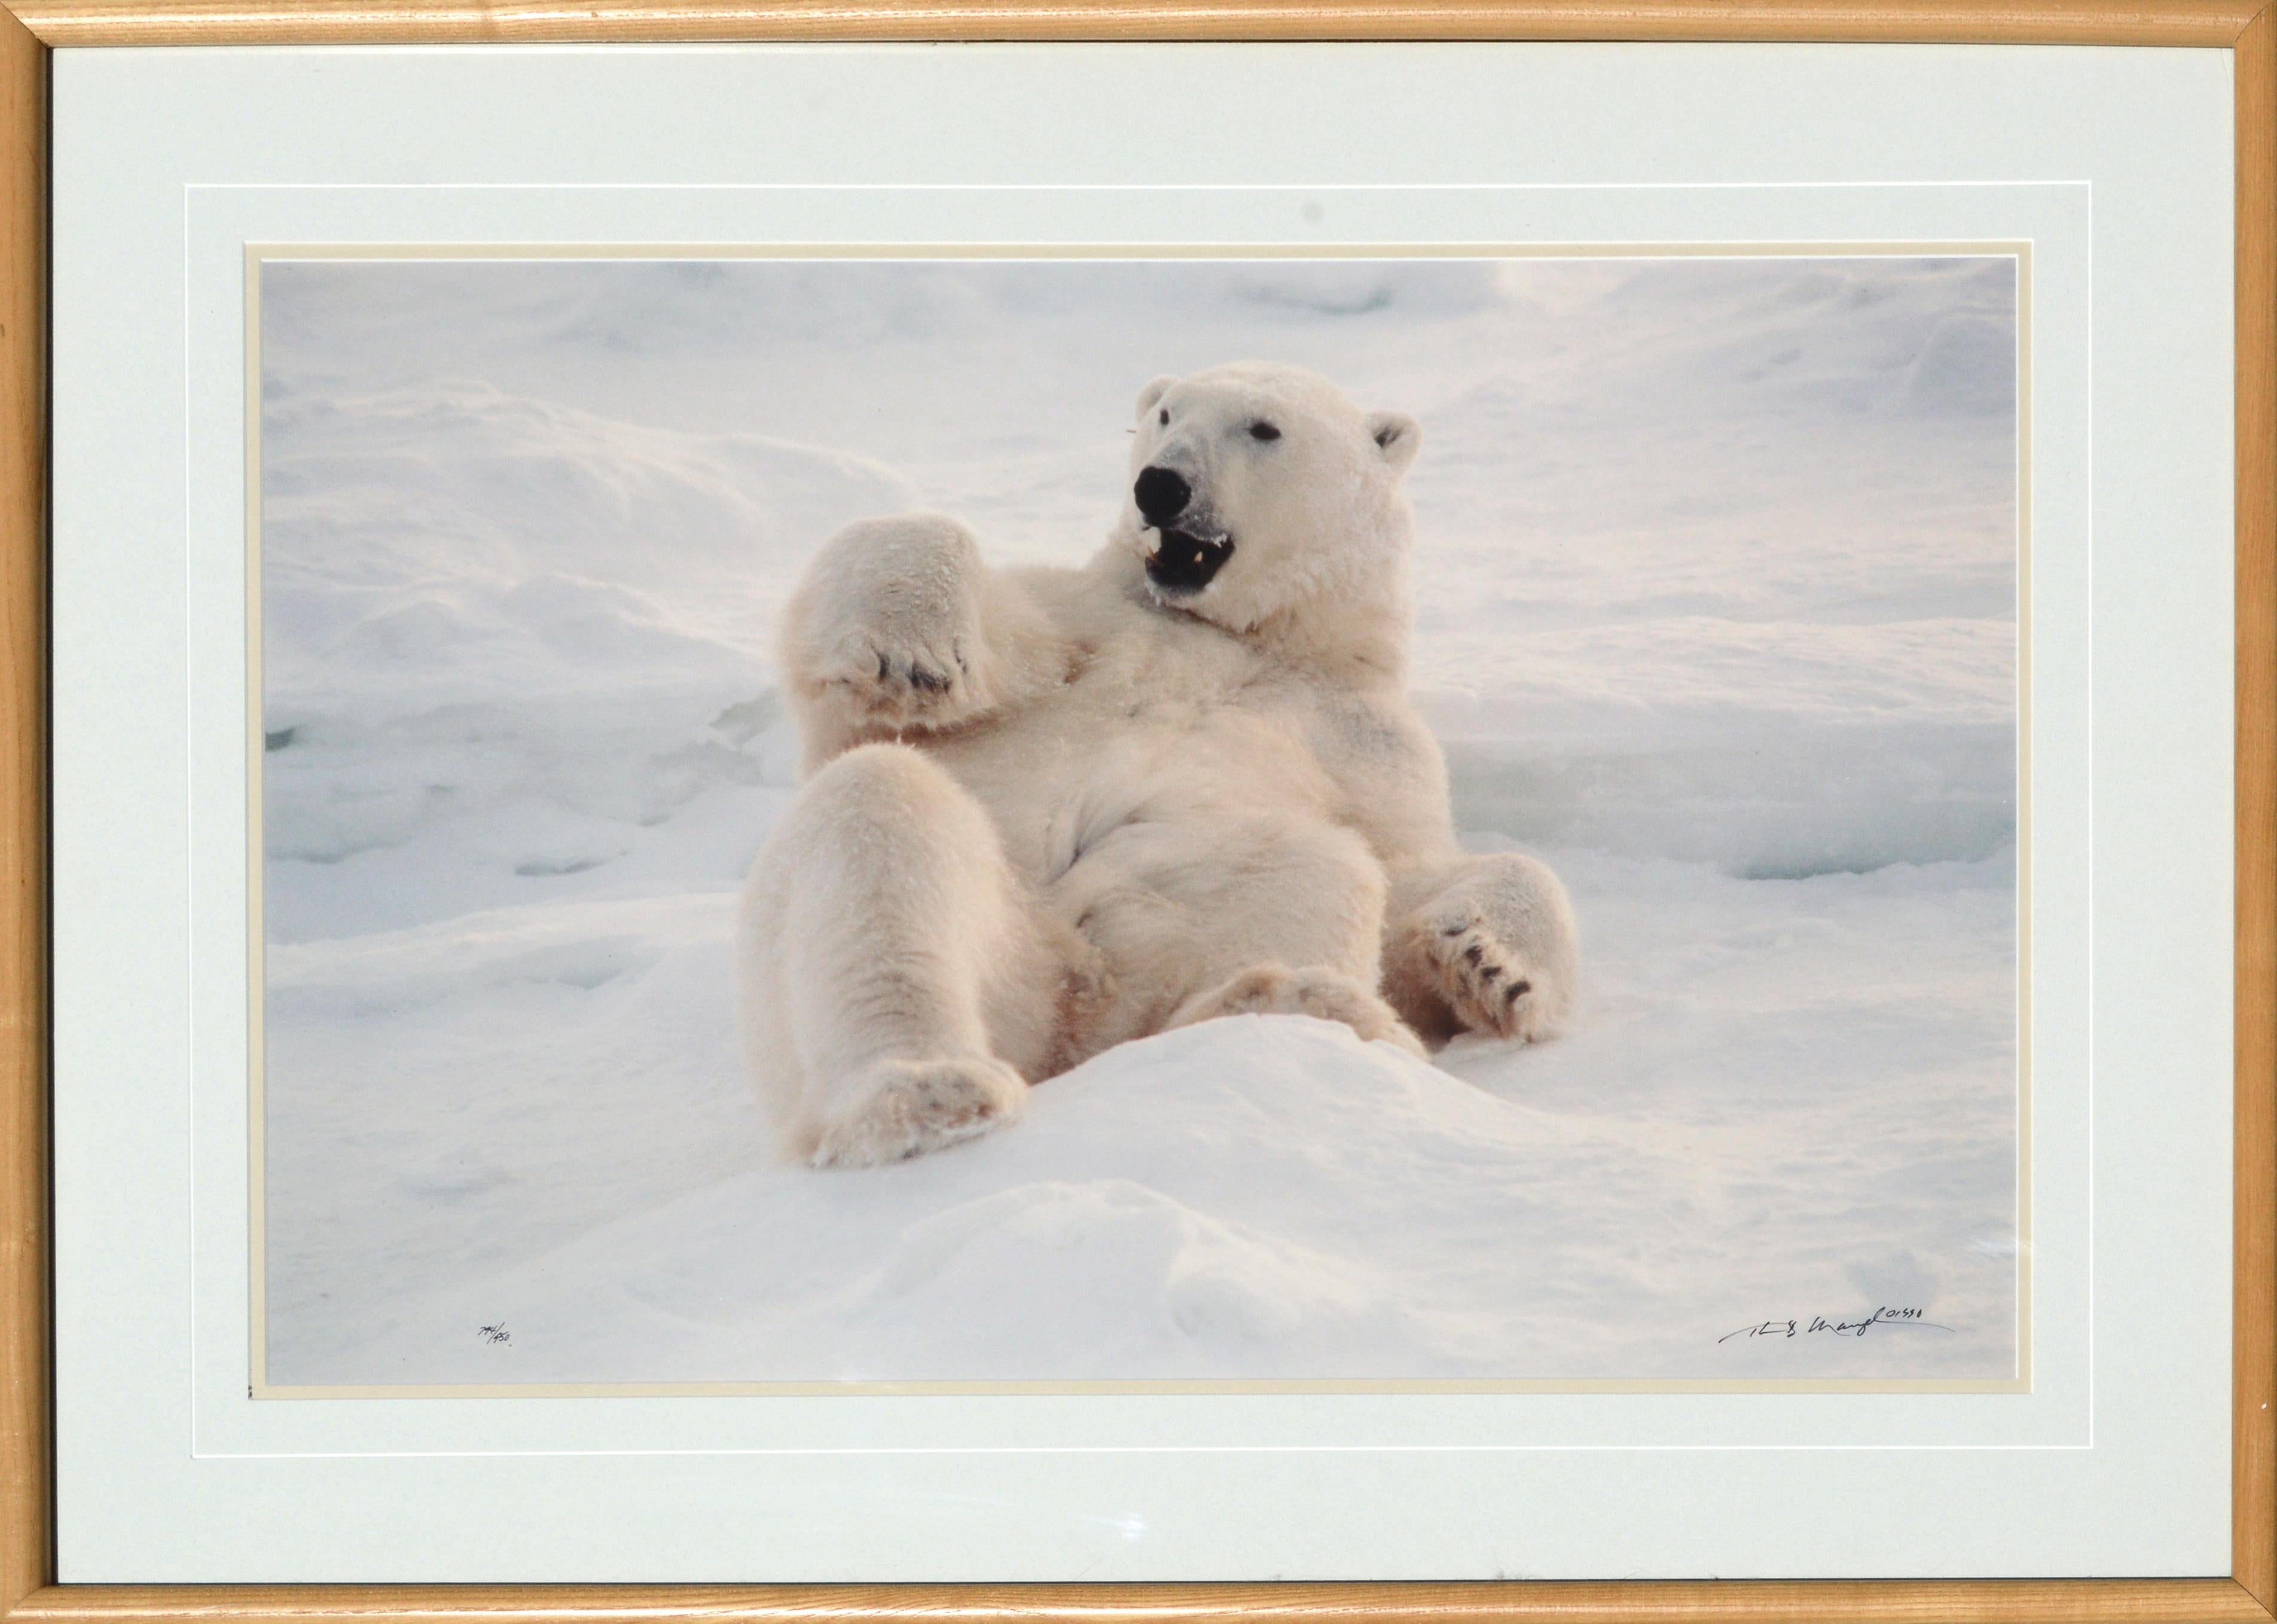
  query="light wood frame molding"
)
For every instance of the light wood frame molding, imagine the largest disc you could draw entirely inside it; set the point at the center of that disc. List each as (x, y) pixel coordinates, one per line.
(30, 28)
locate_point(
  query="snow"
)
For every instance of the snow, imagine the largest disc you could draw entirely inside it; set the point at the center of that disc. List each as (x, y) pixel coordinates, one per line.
(1716, 613)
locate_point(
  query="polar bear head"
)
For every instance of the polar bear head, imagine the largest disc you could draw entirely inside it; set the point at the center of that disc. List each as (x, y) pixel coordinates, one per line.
(1260, 494)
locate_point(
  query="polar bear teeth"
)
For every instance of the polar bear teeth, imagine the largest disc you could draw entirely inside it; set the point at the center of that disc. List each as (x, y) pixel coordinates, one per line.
(1183, 562)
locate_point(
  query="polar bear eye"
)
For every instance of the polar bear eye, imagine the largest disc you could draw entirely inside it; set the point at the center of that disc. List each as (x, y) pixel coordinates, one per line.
(1263, 431)
(1165, 416)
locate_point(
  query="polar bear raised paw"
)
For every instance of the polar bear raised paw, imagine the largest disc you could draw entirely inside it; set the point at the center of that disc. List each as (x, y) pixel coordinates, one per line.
(890, 625)
(905, 1108)
(909, 681)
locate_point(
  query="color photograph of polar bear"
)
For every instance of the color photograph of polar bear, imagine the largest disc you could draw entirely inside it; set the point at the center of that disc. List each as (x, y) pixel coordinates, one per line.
(1014, 820)
(1051, 811)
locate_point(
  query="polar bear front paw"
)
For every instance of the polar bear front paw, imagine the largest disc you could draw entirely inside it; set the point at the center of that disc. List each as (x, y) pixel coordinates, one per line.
(905, 1108)
(902, 679)
(889, 624)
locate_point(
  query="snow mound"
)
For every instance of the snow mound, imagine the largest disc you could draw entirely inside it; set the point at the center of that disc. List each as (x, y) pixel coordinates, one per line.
(453, 545)
(1255, 1197)
(1163, 1205)
(506, 641)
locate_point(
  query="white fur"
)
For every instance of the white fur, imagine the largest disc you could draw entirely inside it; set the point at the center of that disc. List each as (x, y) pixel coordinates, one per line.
(1053, 810)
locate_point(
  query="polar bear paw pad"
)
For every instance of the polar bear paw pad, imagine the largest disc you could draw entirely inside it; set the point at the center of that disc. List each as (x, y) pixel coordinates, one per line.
(906, 1108)
(1323, 994)
(898, 682)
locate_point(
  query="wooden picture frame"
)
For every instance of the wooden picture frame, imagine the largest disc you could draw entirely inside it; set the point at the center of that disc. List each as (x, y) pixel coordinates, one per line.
(2248, 28)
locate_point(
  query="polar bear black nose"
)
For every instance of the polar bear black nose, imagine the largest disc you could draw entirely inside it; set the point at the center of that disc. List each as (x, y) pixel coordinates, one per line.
(1162, 495)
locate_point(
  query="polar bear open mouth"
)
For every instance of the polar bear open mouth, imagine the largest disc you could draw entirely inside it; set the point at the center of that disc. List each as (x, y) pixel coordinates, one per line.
(1183, 562)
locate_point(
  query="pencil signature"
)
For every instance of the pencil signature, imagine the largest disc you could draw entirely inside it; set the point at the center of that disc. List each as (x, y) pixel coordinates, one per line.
(1818, 1325)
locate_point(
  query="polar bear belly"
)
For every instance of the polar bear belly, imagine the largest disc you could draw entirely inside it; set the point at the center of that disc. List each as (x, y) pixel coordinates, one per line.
(1185, 842)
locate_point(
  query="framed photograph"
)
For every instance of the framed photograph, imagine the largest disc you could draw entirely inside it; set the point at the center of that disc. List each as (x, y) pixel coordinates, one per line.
(1168, 811)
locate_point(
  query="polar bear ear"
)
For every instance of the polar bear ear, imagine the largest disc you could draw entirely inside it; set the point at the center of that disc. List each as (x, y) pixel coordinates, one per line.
(1153, 393)
(1397, 436)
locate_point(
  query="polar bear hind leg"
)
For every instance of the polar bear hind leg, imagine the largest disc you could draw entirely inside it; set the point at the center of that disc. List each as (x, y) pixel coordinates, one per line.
(894, 982)
(1322, 992)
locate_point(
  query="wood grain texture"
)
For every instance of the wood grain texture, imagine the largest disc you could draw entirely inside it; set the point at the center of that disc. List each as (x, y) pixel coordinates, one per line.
(213, 22)
(2253, 1443)
(25, 1437)
(2153, 1601)
(24, 1343)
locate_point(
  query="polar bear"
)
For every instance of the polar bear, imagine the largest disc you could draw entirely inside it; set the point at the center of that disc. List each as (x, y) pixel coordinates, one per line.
(1050, 810)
